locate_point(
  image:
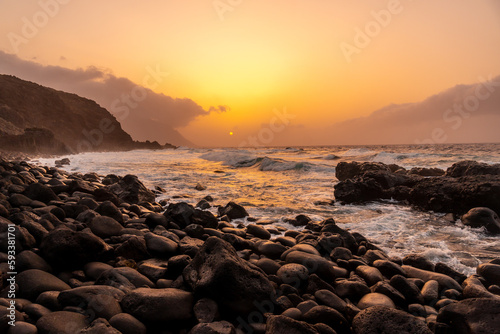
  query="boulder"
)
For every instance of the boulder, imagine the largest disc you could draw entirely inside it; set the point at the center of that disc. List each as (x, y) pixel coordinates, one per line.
(375, 299)
(471, 168)
(71, 249)
(217, 272)
(474, 315)
(444, 281)
(127, 324)
(108, 209)
(123, 276)
(381, 319)
(490, 271)
(40, 192)
(233, 211)
(105, 227)
(482, 217)
(159, 305)
(61, 322)
(33, 282)
(131, 190)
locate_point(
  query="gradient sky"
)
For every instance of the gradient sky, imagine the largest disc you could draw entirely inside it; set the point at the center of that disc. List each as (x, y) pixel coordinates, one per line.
(259, 55)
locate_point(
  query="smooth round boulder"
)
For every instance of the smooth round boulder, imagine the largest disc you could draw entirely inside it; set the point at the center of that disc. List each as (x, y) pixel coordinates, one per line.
(160, 305)
(381, 319)
(29, 260)
(328, 316)
(328, 298)
(105, 227)
(258, 231)
(375, 299)
(293, 274)
(127, 324)
(61, 322)
(482, 217)
(160, 245)
(22, 327)
(490, 271)
(33, 282)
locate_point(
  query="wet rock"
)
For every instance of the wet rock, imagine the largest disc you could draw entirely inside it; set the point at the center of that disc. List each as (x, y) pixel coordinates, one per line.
(475, 315)
(293, 274)
(482, 217)
(134, 248)
(258, 231)
(386, 289)
(490, 271)
(448, 271)
(348, 170)
(471, 168)
(94, 269)
(271, 249)
(33, 282)
(179, 213)
(103, 301)
(418, 261)
(380, 319)
(218, 273)
(269, 266)
(443, 280)
(233, 211)
(67, 248)
(61, 322)
(388, 268)
(353, 290)
(127, 324)
(430, 291)
(472, 288)
(162, 305)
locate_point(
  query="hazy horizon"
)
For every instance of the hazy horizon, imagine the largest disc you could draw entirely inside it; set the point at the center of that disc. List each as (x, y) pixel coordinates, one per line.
(216, 74)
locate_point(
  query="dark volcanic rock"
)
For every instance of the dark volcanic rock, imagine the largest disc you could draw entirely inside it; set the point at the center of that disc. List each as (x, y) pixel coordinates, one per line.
(161, 305)
(476, 187)
(61, 322)
(470, 168)
(482, 217)
(131, 190)
(233, 211)
(218, 273)
(33, 282)
(40, 192)
(348, 170)
(475, 315)
(67, 248)
(380, 319)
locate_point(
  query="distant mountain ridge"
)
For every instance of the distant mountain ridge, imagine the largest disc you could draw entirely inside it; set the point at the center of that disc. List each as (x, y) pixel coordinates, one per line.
(38, 119)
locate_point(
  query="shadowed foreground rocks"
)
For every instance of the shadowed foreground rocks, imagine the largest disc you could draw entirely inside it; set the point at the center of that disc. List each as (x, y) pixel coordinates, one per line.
(97, 254)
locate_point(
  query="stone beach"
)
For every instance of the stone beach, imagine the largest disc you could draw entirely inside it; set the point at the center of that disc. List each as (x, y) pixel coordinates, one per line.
(98, 254)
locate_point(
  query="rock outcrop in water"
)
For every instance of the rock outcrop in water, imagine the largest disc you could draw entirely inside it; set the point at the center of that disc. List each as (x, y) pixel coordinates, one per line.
(465, 185)
(89, 260)
(40, 120)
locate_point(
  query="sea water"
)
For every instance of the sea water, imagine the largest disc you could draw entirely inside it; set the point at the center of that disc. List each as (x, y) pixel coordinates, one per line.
(279, 183)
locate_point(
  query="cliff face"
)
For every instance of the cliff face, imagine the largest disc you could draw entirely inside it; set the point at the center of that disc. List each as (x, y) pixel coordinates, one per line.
(63, 122)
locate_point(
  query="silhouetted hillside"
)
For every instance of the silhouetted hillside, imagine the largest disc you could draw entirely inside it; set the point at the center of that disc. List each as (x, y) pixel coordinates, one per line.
(57, 122)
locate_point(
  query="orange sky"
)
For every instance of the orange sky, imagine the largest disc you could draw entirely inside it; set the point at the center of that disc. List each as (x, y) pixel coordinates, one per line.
(261, 55)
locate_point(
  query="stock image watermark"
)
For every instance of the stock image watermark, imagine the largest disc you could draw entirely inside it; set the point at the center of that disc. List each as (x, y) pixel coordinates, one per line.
(363, 36)
(121, 108)
(32, 25)
(455, 116)
(225, 6)
(11, 280)
(267, 133)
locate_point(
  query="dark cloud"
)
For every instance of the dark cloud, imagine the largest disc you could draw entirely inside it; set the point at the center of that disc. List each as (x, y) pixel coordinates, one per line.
(144, 114)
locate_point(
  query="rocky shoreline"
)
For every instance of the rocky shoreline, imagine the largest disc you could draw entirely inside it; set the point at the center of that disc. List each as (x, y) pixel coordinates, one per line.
(97, 254)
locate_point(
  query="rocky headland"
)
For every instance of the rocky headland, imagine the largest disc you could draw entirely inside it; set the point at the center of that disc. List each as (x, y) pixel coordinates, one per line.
(98, 254)
(38, 120)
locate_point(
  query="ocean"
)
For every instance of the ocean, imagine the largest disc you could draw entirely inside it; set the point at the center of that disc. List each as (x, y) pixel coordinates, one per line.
(279, 183)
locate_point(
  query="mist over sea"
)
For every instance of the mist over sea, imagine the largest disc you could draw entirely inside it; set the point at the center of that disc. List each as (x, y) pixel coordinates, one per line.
(280, 183)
